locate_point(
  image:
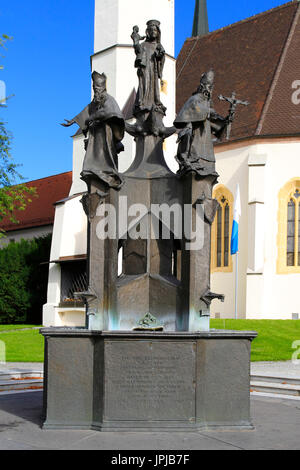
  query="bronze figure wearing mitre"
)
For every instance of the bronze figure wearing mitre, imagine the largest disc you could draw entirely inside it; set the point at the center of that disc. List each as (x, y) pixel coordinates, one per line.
(198, 122)
(103, 123)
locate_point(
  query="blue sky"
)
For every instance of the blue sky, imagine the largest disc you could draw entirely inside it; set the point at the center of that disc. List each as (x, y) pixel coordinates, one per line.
(47, 68)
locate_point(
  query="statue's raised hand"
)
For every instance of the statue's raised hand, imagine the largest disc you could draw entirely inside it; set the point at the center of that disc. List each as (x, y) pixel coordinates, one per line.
(68, 123)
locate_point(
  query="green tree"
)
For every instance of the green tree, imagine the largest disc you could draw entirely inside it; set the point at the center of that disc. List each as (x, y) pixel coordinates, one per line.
(24, 280)
(13, 197)
(3, 40)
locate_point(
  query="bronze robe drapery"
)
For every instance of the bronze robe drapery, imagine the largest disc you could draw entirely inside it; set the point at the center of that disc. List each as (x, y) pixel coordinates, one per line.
(105, 127)
(150, 63)
(198, 122)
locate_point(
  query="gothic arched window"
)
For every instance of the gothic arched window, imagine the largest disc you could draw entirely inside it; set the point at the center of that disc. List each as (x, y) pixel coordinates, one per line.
(289, 228)
(221, 259)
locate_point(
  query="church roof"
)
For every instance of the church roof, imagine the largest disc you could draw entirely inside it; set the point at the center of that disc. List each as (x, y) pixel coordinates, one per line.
(40, 211)
(259, 59)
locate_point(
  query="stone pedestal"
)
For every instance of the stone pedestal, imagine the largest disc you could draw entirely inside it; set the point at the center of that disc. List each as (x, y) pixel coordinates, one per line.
(129, 381)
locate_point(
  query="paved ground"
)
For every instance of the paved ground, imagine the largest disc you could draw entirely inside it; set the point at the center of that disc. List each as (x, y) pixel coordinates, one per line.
(20, 366)
(277, 424)
(276, 369)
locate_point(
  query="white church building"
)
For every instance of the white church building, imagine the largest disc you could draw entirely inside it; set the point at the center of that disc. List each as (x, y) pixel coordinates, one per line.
(258, 58)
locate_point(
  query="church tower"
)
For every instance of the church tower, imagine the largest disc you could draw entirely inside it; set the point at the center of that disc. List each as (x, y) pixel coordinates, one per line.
(200, 26)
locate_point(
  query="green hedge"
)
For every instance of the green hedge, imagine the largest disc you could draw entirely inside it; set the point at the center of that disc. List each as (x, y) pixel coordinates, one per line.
(23, 280)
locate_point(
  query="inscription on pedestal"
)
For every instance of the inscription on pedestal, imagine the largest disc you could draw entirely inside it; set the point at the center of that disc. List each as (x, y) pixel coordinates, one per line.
(150, 380)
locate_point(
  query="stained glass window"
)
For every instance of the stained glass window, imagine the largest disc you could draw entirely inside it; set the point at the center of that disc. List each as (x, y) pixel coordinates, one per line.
(291, 234)
(223, 233)
(293, 231)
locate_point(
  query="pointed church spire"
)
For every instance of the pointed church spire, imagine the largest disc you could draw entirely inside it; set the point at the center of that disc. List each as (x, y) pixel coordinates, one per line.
(200, 26)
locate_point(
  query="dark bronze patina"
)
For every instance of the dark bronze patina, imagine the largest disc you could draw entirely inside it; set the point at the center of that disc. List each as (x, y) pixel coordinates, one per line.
(197, 123)
(150, 60)
(234, 102)
(103, 123)
(162, 277)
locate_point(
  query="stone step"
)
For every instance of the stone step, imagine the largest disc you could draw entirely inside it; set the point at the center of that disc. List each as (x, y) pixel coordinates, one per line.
(281, 380)
(276, 388)
(10, 375)
(273, 395)
(21, 384)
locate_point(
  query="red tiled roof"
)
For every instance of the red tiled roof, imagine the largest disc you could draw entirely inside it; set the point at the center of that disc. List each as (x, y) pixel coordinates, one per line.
(258, 58)
(41, 210)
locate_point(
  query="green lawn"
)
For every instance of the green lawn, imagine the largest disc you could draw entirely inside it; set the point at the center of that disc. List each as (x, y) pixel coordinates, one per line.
(23, 346)
(275, 337)
(274, 342)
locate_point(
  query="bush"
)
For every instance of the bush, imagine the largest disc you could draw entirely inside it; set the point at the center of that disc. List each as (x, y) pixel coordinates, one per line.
(23, 280)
